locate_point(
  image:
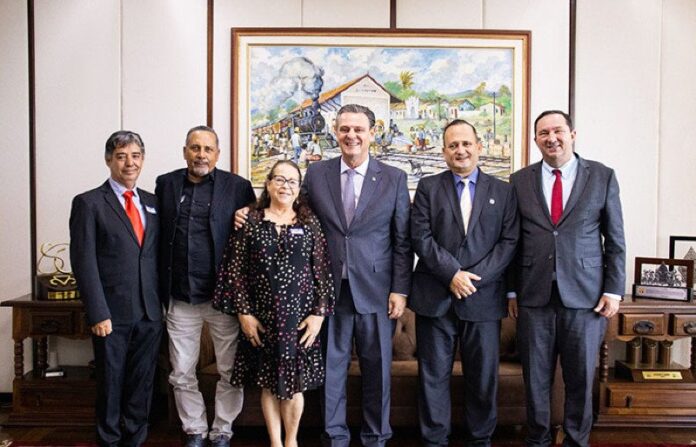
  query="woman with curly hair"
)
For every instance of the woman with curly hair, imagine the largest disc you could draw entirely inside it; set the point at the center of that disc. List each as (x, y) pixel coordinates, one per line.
(275, 276)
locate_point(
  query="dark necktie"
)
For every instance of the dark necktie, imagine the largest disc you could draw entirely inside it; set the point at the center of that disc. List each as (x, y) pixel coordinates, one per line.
(557, 198)
(349, 196)
(134, 216)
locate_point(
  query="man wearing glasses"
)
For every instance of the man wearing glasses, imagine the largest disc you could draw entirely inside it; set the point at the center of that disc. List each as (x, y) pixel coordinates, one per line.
(197, 205)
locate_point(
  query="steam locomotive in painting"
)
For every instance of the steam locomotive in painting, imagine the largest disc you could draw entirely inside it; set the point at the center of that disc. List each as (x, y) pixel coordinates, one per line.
(308, 120)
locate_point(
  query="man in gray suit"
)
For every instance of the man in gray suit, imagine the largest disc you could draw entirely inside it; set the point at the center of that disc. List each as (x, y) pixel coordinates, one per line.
(570, 274)
(364, 207)
(464, 229)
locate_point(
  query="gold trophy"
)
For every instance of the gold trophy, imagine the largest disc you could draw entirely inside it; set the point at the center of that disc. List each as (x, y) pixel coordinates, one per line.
(59, 284)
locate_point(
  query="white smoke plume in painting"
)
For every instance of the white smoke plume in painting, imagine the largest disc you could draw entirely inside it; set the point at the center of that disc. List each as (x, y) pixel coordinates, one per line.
(297, 76)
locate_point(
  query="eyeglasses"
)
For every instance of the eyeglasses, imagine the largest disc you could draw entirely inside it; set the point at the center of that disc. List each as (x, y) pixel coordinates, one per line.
(279, 181)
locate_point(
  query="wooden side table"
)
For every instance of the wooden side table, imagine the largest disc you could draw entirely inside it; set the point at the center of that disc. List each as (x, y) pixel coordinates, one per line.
(648, 327)
(56, 401)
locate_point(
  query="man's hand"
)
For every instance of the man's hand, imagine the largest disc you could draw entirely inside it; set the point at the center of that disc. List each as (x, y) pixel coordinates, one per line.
(512, 308)
(397, 305)
(461, 285)
(312, 326)
(103, 328)
(607, 307)
(240, 217)
(252, 329)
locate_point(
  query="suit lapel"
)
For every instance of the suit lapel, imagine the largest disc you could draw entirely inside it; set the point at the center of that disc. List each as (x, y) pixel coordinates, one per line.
(149, 225)
(538, 192)
(480, 197)
(373, 177)
(177, 185)
(219, 187)
(332, 176)
(581, 178)
(116, 206)
(450, 191)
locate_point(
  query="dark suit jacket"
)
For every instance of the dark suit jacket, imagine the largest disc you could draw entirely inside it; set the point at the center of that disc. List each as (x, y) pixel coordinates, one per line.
(586, 246)
(230, 192)
(437, 234)
(375, 245)
(111, 269)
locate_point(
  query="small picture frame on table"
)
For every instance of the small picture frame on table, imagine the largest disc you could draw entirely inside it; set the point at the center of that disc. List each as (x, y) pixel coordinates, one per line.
(683, 247)
(664, 279)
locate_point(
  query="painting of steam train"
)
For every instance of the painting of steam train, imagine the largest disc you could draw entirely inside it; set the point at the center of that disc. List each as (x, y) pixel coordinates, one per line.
(295, 91)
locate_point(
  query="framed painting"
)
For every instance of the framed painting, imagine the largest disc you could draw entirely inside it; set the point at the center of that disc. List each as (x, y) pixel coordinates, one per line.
(288, 84)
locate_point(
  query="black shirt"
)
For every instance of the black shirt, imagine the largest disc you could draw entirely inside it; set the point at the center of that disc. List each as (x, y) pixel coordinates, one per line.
(193, 257)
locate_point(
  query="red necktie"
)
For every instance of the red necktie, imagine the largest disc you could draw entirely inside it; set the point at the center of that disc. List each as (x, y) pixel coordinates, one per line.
(134, 216)
(557, 198)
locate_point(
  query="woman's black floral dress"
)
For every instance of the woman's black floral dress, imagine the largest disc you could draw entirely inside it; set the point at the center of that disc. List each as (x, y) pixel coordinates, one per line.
(280, 277)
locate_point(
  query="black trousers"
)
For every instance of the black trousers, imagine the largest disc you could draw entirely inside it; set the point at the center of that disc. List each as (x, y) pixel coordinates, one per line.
(125, 369)
(479, 343)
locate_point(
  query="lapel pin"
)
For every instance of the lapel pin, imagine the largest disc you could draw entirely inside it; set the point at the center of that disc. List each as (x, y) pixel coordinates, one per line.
(491, 201)
(374, 179)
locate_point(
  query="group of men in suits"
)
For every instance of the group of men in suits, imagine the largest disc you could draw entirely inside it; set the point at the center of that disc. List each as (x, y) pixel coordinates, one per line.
(547, 248)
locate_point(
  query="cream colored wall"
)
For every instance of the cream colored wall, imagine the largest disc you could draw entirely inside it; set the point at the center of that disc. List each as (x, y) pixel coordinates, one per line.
(15, 250)
(676, 160)
(141, 65)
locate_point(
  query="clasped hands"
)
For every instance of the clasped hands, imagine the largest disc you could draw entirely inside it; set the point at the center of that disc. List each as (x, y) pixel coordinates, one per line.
(461, 285)
(252, 329)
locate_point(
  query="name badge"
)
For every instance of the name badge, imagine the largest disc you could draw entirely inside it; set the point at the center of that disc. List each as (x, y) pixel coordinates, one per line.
(150, 209)
(297, 231)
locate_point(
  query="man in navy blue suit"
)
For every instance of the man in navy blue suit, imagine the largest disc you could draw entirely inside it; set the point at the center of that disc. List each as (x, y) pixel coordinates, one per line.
(113, 251)
(464, 229)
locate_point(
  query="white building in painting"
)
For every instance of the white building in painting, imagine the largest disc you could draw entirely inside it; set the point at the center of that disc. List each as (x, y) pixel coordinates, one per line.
(487, 109)
(412, 107)
(364, 90)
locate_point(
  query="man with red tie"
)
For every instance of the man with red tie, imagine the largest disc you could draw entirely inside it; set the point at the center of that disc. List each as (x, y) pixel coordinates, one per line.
(570, 274)
(113, 250)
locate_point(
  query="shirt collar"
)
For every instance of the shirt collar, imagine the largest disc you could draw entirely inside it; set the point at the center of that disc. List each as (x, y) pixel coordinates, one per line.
(119, 189)
(473, 177)
(361, 169)
(566, 169)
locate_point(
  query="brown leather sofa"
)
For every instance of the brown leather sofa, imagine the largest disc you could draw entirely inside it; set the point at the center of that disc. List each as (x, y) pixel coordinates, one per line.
(511, 394)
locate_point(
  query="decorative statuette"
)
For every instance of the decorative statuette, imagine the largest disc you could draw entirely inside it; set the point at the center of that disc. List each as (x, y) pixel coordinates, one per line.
(53, 280)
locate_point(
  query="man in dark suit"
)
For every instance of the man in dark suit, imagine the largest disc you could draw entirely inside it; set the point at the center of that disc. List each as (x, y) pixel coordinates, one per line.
(197, 205)
(113, 250)
(464, 229)
(570, 274)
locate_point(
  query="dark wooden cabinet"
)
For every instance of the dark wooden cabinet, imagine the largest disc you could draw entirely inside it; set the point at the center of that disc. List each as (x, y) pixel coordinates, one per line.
(67, 400)
(648, 328)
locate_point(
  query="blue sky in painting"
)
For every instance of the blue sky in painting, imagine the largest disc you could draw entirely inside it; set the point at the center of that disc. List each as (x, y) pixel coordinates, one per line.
(447, 70)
